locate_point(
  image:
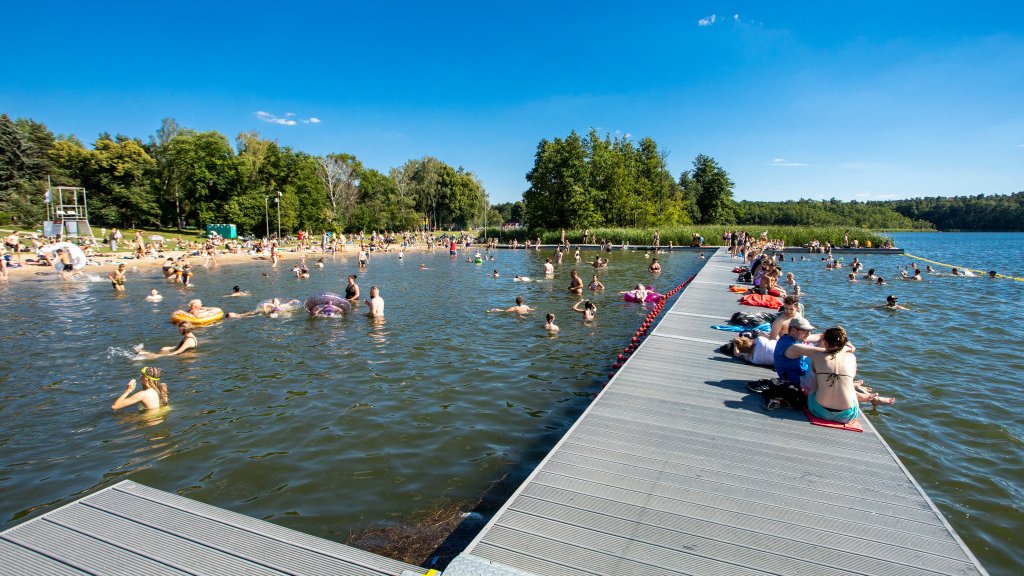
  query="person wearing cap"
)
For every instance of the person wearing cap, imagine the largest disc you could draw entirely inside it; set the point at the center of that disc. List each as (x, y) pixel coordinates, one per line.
(891, 303)
(792, 350)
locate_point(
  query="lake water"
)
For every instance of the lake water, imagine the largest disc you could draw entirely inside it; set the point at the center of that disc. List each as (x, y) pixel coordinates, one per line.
(954, 365)
(322, 425)
(328, 426)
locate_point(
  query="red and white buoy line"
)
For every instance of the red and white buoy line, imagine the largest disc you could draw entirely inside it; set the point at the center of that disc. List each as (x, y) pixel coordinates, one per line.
(646, 325)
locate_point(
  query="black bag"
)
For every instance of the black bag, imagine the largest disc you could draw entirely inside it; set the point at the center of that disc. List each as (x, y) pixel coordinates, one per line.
(745, 277)
(785, 394)
(751, 319)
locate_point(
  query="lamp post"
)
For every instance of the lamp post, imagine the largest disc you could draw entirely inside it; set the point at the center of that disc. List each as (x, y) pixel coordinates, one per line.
(266, 214)
(278, 202)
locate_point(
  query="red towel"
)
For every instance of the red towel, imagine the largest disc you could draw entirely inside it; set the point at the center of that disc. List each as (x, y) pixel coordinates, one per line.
(852, 425)
(762, 300)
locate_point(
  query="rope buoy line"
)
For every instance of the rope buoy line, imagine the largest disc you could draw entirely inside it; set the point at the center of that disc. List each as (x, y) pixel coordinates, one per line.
(979, 272)
(648, 322)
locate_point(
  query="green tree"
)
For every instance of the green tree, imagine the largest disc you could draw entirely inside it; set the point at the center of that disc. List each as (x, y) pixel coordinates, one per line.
(166, 178)
(118, 178)
(560, 193)
(711, 189)
(205, 170)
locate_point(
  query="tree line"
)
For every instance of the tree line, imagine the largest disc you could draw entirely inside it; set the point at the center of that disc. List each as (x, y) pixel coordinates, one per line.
(181, 178)
(993, 213)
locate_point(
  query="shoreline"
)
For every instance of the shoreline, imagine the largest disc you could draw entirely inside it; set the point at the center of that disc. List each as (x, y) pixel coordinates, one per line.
(107, 263)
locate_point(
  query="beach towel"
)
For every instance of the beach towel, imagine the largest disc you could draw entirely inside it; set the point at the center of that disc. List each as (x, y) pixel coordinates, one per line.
(762, 300)
(731, 328)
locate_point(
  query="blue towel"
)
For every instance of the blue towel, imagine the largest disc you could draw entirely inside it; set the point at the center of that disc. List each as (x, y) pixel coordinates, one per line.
(766, 327)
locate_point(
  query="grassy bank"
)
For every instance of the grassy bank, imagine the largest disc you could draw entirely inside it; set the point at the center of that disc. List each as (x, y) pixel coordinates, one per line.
(682, 235)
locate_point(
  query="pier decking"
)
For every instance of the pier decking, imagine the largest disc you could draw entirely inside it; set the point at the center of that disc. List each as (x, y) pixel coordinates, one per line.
(132, 529)
(676, 469)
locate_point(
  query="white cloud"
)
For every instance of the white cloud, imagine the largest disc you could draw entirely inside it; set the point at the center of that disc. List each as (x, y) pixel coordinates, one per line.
(885, 196)
(862, 194)
(1020, 145)
(782, 162)
(735, 17)
(287, 120)
(707, 21)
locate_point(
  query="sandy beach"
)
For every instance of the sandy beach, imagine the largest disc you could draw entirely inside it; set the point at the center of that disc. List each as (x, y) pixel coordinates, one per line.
(107, 263)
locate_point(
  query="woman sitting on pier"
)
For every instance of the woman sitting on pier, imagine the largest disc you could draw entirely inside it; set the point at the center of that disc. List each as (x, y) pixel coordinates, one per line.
(836, 395)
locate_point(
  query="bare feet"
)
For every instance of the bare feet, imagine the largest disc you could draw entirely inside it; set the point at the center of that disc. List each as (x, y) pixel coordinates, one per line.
(877, 400)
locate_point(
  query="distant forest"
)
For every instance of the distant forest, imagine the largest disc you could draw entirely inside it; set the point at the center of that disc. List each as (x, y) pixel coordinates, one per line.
(993, 213)
(996, 213)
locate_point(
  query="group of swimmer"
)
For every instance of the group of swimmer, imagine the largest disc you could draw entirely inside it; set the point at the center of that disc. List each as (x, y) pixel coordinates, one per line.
(585, 307)
(154, 393)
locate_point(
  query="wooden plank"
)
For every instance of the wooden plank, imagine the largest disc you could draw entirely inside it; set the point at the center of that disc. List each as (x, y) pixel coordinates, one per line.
(675, 468)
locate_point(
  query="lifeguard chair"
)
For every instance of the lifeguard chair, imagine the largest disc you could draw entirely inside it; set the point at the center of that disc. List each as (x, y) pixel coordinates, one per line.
(66, 216)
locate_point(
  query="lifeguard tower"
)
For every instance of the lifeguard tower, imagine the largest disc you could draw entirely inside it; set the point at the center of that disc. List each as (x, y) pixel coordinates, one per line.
(67, 213)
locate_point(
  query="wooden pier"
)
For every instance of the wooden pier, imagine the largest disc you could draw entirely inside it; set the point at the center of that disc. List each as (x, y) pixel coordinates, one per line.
(132, 529)
(674, 469)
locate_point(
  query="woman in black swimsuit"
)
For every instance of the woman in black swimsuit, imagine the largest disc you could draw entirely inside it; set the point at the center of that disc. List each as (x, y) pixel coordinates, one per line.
(188, 342)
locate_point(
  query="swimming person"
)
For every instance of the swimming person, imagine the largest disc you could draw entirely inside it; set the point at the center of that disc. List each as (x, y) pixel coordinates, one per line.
(549, 268)
(655, 267)
(595, 284)
(576, 283)
(237, 291)
(375, 303)
(188, 342)
(153, 394)
(271, 308)
(587, 308)
(154, 296)
(186, 275)
(549, 323)
(352, 290)
(117, 278)
(519, 308)
(834, 395)
(196, 308)
(891, 303)
(639, 293)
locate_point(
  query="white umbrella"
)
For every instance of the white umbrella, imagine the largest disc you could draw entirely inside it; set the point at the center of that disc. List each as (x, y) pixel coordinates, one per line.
(78, 259)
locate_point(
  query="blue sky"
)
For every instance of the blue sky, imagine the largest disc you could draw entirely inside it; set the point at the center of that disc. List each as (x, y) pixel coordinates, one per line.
(863, 100)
